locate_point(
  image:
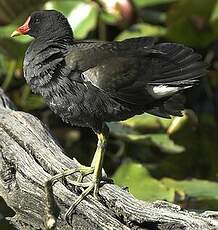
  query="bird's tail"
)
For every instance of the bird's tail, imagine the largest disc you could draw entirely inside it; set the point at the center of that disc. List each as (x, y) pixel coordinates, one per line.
(177, 68)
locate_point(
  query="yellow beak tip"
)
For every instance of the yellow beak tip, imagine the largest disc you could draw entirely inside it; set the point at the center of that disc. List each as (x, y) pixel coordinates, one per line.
(15, 33)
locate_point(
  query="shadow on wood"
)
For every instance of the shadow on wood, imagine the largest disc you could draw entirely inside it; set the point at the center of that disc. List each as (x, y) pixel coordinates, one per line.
(29, 155)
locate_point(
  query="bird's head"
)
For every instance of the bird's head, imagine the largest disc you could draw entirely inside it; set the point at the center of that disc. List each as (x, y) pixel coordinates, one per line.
(45, 24)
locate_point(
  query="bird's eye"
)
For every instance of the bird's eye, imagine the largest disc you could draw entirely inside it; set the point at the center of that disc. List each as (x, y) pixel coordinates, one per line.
(37, 21)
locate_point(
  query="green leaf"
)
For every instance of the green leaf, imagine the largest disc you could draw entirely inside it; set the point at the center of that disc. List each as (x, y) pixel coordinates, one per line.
(214, 19)
(29, 101)
(81, 15)
(109, 18)
(146, 3)
(12, 49)
(140, 183)
(188, 23)
(140, 30)
(121, 129)
(199, 189)
(147, 121)
(33, 102)
(187, 8)
(162, 141)
(13, 9)
(214, 14)
(5, 31)
(87, 23)
(192, 36)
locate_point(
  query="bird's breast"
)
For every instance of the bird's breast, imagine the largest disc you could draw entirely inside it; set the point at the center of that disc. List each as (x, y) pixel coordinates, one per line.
(43, 65)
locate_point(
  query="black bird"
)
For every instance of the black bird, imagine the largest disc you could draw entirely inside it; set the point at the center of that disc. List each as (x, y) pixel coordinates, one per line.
(88, 83)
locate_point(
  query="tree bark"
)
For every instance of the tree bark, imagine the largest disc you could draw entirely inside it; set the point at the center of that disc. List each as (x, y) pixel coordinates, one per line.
(29, 155)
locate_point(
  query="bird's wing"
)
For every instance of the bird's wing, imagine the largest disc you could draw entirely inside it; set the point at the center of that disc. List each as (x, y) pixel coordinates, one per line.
(113, 67)
(119, 77)
(137, 71)
(88, 54)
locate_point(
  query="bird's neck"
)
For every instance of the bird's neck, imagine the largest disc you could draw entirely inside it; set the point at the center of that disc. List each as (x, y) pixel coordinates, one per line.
(64, 40)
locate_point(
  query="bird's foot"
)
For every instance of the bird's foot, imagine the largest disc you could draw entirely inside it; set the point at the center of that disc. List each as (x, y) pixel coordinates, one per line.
(87, 187)
(92, 185)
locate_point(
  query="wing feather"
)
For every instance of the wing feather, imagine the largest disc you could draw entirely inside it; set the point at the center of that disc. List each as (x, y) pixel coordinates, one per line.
(124, 70)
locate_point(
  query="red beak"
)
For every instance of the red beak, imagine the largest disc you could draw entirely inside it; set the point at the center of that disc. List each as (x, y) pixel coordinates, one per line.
(24, 29)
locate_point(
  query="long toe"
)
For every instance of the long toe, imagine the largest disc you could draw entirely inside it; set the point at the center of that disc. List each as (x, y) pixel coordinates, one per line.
(69, 213)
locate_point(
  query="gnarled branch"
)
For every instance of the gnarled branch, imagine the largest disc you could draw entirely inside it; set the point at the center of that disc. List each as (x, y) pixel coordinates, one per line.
(29, 155)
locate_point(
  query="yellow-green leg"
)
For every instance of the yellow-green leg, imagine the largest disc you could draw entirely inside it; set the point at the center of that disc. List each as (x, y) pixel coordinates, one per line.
(96, 176)
(95, 169)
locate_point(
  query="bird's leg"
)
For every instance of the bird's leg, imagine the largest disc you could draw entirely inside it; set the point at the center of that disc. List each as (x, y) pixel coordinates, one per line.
(98, 158)
(96, 176)
(95, 169)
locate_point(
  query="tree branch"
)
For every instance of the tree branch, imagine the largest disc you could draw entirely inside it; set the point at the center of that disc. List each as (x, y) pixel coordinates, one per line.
(29, 155)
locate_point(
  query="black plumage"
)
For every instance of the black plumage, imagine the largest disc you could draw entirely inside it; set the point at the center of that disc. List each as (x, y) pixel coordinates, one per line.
(88, 83)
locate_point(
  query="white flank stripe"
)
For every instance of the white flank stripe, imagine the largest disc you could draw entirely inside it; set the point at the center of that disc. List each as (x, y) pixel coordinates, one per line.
(162, 90)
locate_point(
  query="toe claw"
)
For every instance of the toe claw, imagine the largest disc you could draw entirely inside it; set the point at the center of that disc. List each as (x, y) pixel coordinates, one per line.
(69, 214)
(68, 219)
(96, 195)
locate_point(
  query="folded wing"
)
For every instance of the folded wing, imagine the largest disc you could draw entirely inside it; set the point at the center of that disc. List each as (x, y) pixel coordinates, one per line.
(138, 71)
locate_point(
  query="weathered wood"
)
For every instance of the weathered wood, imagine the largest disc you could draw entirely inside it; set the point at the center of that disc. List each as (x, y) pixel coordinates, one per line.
(29, 155)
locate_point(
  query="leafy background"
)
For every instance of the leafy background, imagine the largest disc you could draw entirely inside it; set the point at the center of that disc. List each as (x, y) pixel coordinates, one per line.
(174, 160)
